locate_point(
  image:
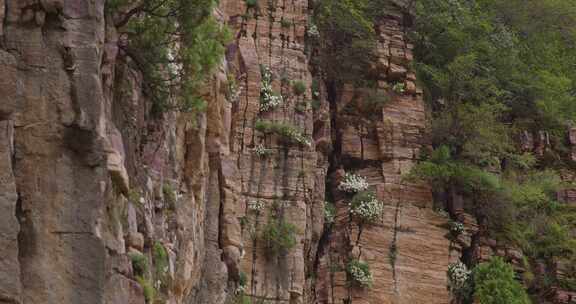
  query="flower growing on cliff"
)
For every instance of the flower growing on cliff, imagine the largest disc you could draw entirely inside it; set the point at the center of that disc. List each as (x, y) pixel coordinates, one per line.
(366, 207)
(458, 277)
(313, 31)
(261, 151)
(268, 98)
(456, 228)
(288, 133)
(255, 206)
(399, 88)
(359, 273)
(353, 183)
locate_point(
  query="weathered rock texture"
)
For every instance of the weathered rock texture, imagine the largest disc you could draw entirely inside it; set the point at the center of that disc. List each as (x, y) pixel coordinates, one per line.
(407, 249)
(89, 179)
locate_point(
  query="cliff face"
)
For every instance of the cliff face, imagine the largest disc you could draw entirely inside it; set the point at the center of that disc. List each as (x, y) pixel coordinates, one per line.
(90, 181)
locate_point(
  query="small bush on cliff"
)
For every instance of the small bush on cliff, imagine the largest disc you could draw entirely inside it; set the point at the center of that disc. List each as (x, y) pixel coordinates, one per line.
(359, 273)
(148, 289)
(366, 207)
(459, 280)
(288, 133)
(169, 196)
(353, 183)
(278, 237)
(329, 213)
(161, 262)
(299, 87)
(495, 283)
(139, 263)
(268, 98)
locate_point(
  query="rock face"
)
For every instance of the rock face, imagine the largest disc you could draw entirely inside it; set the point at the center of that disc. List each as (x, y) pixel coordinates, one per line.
(92, 185)
(406, 249)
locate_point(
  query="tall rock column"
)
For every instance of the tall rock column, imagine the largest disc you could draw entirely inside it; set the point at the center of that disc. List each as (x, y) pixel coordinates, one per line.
(406, 248)
(280, 177)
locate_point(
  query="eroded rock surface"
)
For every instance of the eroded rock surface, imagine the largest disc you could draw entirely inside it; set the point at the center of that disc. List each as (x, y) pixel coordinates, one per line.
(90, 181)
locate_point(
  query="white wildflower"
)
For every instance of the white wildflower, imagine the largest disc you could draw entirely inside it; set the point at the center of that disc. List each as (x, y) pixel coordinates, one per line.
(368, 208)
(268, 98)
(261, 151)
(255, 206)
(458, 275)
(456, 227)
(360, 273)
(353, 183)
(313, 31)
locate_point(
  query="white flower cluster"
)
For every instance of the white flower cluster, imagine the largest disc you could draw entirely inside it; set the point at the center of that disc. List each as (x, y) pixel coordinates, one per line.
(261, 151)
(361, 276)
(368, 210)
(255, 206)
(456, 227)
(458, 275)
(313, 31)
(298, 137)
(268, 98)
(399, 88)
(353, 183)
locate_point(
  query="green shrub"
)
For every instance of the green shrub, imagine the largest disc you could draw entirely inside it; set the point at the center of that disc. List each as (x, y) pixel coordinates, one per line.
(139, 263)
(285, 23)
(316, 104)
(299, 87)
(169, 196)
(287, 132)
(347, 38)
(359, 273)
(147, 288)
(252, 3)
(495, 283)
(278, 237)
(366, 207)
(329, 213)
(161, 262)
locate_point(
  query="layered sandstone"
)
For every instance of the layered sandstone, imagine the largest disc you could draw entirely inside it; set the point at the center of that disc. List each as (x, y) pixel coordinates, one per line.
(88, 178)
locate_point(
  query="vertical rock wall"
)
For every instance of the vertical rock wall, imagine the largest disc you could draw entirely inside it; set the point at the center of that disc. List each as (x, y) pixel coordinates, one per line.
(406, 249)
(89, 179)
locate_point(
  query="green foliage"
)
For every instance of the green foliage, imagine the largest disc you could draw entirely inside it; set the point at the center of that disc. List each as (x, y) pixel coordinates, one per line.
(287, 132)
(161, 262)
(359, 273)
(251, 3)
(148, 289)
(299, 87)
(443, 171)
(348, 38)
(139, 264)
(329, 212)
(285, 23)
(495, 284)
(278, 237)
(490, 70)
(176, 44)
(169, 195)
